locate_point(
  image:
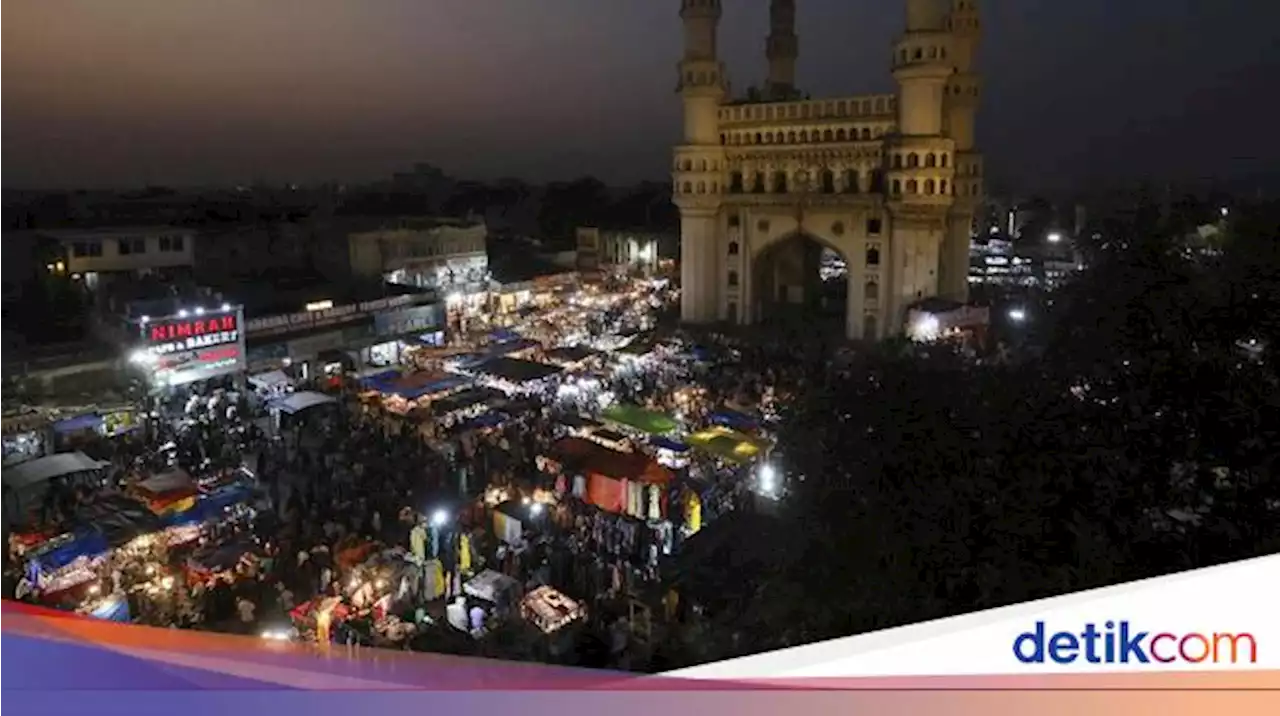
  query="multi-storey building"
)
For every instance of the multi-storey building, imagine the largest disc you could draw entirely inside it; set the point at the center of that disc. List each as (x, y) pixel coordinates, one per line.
(891, 182)
(98, 254)
(449, 256)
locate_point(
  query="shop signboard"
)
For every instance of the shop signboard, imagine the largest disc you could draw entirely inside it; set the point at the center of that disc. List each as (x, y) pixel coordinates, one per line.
(194, 346)
(312, 346)
(413, 320)
(328, 316)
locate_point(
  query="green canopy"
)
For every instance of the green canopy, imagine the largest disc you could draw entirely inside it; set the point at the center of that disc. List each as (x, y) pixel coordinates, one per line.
(648, 421)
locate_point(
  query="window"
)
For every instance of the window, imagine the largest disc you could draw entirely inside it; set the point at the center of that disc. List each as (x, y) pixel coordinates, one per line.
(734, 222)
(897, 187)
(780, 182)
(873, 256)
(873, 227)
(733, 279)
(86, 249)
(871, 291)
(913, 160)
(127, 247)
(828, 182)
(930, 160)
(735, 183)
(171, 243)
(913, 187)
(758, 185)
(733, 248)
(851, 181)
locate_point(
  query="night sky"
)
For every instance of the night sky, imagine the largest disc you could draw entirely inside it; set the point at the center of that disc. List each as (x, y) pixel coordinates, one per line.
(104, 93)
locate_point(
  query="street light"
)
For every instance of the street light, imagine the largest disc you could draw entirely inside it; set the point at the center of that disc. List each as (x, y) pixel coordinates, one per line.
(439, 518)
(1055, 237)
(768, 478)
(1017, 315)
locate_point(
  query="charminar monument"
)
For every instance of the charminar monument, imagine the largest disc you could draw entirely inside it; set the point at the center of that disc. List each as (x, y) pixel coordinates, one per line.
(890, 182)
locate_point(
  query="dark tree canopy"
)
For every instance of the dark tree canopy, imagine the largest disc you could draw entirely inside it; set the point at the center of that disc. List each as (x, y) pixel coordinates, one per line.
(1141, 440)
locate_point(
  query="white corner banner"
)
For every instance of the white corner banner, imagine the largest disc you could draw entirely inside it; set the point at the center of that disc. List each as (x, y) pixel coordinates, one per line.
(1214, 619)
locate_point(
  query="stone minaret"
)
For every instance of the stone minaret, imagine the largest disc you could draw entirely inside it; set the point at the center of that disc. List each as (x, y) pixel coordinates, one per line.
(782, 48)
(699, 162)
(960, 108)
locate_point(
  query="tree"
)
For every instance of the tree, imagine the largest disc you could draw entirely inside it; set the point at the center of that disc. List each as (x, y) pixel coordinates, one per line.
(1144, 442)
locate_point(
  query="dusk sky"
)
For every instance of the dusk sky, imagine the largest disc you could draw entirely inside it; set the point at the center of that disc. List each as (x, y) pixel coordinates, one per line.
(110, 93)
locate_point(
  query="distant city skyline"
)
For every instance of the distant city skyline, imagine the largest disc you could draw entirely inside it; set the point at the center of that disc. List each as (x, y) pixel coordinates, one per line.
(183, 92)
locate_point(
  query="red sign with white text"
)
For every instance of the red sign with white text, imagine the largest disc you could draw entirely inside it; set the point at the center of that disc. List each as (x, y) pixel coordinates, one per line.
(191, 348)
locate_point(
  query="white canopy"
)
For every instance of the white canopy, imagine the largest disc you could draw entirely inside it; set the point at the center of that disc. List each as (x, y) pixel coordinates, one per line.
(43, 469)
(269, 380)
(490, 586)
(299, 402)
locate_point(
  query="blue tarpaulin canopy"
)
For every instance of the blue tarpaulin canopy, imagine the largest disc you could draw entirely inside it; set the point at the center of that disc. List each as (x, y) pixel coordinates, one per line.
(668, 444)
(491, 419)
(113, 609)
(85, 543)
(734, 420)
(504, 335)
(90, 421)
(508, 347)
(378, 380)
(435, 386)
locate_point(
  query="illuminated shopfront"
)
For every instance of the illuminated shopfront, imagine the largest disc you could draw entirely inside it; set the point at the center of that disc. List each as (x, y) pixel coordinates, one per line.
(192, 345)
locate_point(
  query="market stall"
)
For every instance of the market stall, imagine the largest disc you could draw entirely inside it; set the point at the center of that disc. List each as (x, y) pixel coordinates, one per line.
(305, 400)
(671, 453)
(315, 620)
(637, 419)
(516, 376)
(549, 610)
(271, 384)
(113, 608)
(572, 358)
(24, 484)
(167, 492)
(26, 434)
(730, 445)
(493, 587)
(618, 482)
(464, 405)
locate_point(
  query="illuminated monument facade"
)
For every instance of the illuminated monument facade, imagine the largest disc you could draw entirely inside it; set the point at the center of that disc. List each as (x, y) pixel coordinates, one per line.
(890, 182)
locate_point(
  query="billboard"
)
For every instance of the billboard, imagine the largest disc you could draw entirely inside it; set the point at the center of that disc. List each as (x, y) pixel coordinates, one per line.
(194, 346)
(410, 320)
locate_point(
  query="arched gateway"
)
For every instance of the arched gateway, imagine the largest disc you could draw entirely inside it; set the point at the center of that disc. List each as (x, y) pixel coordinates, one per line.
(889, 182)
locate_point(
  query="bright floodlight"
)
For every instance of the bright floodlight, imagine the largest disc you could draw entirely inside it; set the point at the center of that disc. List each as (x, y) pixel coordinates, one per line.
(182, 313)
(536, 508)
(226, 307)
(200, 310)
(145, 319)
(439, 518)
(1017, 315)
(1055, 237)
(768, 478)
(1224, 211)
(926, 327)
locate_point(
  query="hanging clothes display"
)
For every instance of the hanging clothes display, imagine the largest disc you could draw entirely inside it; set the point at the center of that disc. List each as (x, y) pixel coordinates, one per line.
(693, 513)
(580, 486)
(464, 554)
(655, 502)
(418, 542)
(435, 586)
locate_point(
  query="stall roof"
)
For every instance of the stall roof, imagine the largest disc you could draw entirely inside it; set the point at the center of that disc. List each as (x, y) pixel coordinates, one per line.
(594, 457)
(571, 354)
(464, 400)
(270, 379)
(489, 585)
(506, 348)
(516, 370)
(88, 421)
(299, 402)
(416, 385)
(167, 481)
(735, 420)
(43, 469)
(728, 444)
(636, 417)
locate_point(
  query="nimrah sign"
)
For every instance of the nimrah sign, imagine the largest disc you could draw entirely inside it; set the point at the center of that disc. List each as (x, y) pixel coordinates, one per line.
(184, 335)
(188, 349)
